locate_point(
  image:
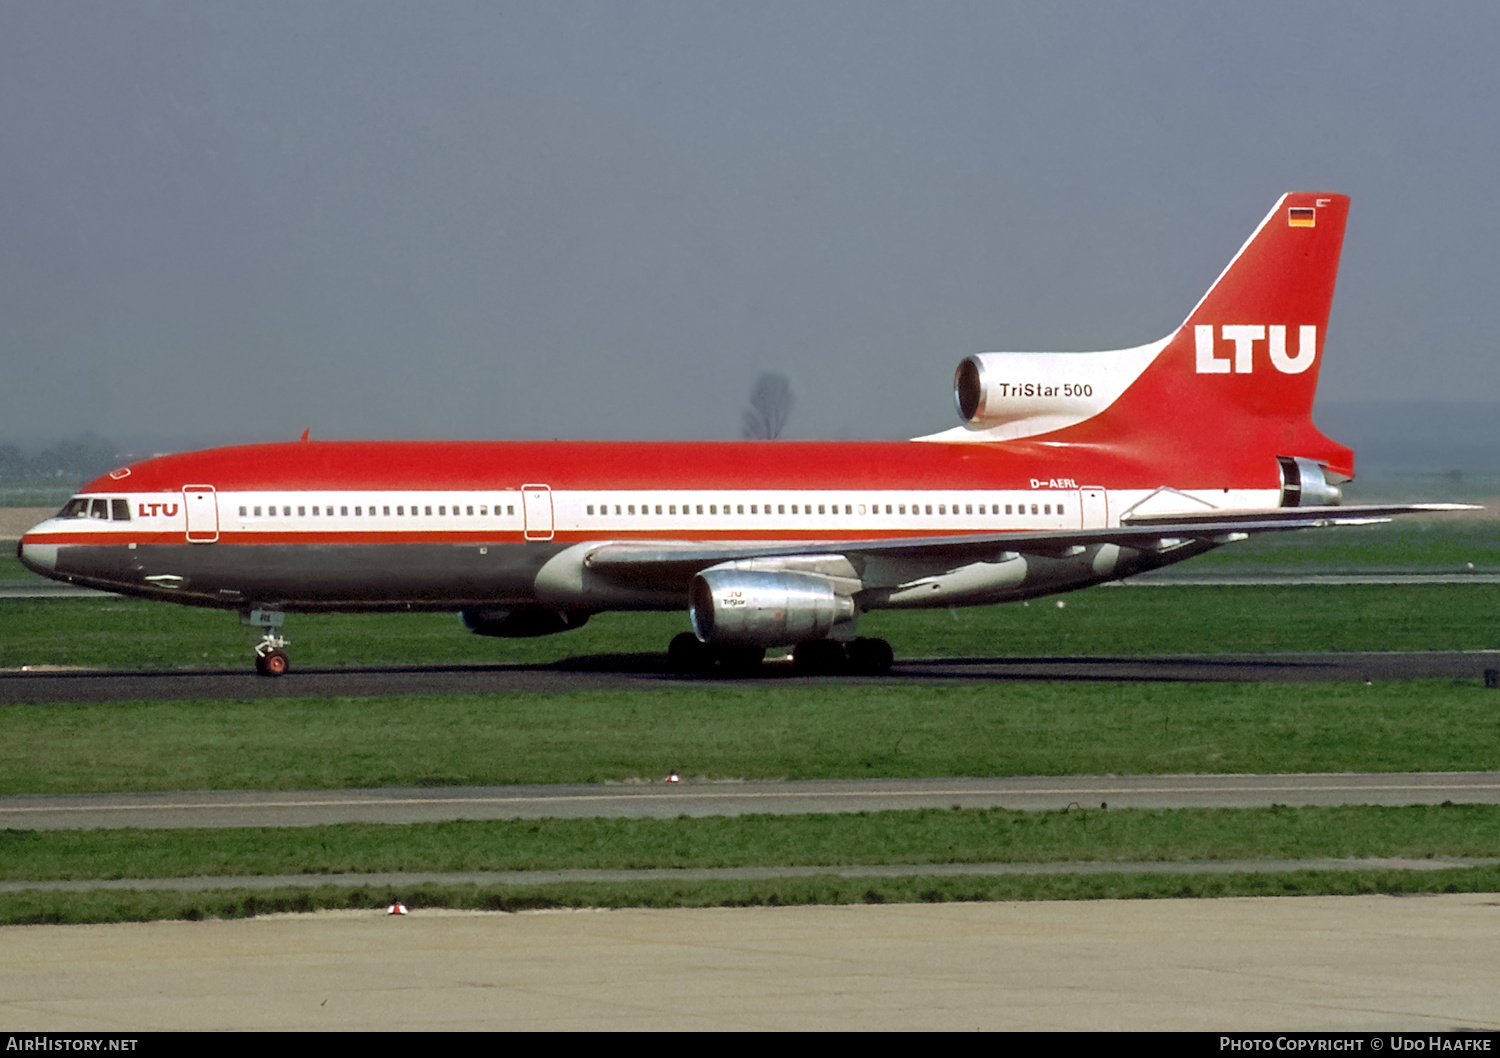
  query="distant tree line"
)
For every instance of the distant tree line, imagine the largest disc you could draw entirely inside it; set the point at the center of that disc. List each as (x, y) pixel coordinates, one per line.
(770, 405)
(74, 459)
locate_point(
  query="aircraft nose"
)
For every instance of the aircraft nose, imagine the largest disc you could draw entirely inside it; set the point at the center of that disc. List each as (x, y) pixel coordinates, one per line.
(37, 557)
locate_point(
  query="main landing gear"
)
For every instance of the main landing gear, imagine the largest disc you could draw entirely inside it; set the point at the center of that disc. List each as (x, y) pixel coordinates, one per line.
(270, 653)
(862, 656)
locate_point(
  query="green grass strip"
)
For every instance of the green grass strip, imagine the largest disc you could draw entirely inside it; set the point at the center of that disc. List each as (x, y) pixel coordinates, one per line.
(36, 908)
(765, 730)
(921, 836)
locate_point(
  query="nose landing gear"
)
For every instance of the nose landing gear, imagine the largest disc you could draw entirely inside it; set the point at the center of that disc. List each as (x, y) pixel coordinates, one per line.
(270, 653)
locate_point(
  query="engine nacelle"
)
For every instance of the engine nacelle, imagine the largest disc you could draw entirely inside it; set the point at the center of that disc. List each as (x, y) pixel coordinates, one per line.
(1044, 391)
(1303, 484)
(521, 622)
(739, 607)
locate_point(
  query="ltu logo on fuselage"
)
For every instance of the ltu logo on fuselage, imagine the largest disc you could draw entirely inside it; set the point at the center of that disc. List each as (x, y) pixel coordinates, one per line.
(1244, 338)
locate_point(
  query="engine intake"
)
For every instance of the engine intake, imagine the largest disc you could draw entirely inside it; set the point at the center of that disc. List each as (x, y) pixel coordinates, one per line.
(738, 607)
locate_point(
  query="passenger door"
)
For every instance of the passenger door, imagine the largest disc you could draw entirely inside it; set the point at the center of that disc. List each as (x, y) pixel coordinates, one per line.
(536, 502)
(1093, 502)
(202, 506)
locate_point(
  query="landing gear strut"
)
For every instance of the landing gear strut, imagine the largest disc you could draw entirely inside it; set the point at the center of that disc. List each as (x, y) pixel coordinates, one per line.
(270, 653)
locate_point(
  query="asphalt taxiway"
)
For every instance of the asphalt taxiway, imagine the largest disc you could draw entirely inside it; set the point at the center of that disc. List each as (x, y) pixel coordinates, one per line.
(292, 808)
(648, 671)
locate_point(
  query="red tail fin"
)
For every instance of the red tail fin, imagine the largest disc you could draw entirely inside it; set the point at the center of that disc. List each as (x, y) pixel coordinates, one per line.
(1234, 386)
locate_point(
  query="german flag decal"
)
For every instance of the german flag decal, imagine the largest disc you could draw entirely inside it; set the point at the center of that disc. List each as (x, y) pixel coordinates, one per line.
(1301, 217)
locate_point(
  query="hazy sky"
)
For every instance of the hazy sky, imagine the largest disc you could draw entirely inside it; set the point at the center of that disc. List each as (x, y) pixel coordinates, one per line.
(578, 219)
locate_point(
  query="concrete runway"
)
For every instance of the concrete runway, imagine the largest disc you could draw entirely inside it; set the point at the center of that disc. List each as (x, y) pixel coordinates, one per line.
(647, 672)
(289, 808)
(1309, 963)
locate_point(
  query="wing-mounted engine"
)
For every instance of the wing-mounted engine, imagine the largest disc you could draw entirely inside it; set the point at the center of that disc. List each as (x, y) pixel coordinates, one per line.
(1305, 484)
(776, 602)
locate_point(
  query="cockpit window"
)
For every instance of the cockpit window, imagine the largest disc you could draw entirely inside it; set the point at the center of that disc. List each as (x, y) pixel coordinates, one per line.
(117, 510)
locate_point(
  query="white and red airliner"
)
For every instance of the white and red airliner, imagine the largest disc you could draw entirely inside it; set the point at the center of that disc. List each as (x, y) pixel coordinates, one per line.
(1069, 469)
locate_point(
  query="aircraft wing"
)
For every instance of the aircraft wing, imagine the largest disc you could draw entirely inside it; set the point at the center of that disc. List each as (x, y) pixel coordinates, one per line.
(667, 560)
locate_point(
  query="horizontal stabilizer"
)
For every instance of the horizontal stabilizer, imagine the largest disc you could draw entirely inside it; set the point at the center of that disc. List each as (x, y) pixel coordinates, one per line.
(1299, 517)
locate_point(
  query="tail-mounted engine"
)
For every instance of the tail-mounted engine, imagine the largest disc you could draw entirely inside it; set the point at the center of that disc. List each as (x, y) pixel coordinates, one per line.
(1303, 484)
(1023, 394)
(762, 608)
